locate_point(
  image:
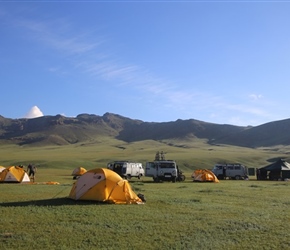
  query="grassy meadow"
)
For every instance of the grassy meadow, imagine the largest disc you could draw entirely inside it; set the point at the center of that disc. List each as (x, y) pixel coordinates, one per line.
(184, 215)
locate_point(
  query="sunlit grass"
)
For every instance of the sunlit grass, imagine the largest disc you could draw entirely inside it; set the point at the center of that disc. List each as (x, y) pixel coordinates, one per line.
(186, 215)
(188, 154)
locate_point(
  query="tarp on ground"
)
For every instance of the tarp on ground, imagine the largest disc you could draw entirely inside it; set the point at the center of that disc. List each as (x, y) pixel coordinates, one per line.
(103, 185)
(78, 171)
(14, 174)
(204, 175)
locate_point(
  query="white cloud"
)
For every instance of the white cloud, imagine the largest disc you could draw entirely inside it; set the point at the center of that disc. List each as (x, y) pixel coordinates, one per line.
(54, 35)
(255, 97)
(33, 113)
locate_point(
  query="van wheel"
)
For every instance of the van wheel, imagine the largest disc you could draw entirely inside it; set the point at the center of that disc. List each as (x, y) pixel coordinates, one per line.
(220, 177)
(181, 177)
(237, 177)
(139, 176)
(173, 179)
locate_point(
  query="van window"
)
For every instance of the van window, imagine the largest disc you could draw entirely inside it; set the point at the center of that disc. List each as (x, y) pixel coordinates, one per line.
(167, 165)
(230, 167)
(237, 168)
(151, 165)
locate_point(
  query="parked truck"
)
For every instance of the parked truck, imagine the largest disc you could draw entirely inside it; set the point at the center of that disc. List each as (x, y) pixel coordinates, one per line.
(163, 170)
(127, 169)
(233, 171)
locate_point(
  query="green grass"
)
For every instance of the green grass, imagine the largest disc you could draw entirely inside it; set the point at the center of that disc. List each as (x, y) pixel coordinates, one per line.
(227, 215)
(188, 154)
(187, 215)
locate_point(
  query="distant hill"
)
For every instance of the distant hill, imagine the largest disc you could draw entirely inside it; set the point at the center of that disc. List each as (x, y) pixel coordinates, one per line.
(266, 135)
(60, 130)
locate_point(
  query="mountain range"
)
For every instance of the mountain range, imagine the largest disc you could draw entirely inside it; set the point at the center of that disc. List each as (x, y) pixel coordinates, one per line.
(61, 130)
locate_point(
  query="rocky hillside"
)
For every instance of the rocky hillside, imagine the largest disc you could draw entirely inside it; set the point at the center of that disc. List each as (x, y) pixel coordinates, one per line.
(60, 130)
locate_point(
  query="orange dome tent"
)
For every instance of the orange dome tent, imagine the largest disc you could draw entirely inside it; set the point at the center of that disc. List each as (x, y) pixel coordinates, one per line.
(14, 174)
(103, 185)
(204, 175)
(78, 171)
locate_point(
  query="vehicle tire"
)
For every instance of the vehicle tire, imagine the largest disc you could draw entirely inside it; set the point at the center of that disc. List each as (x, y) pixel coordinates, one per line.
(237, 177)
(173, 179)
(220, 177)
(182, 177)
(139, 176)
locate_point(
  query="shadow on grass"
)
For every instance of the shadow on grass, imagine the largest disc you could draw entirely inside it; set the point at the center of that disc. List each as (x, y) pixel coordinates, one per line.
(50, 202)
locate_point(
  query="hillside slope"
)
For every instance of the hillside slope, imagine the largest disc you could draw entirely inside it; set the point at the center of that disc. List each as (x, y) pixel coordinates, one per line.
(60, 130)
(266, 135)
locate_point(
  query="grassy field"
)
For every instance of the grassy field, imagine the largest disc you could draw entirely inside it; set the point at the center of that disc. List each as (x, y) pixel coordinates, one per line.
(188, 154)
(188, 215)
(185, 215)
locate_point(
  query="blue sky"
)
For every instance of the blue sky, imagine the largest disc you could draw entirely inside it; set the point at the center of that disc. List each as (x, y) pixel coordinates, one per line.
(224, 62)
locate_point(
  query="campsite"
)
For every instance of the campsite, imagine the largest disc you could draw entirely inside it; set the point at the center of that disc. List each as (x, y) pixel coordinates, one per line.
(231, 214)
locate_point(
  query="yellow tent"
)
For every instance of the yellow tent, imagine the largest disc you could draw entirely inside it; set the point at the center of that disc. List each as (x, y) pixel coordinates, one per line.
(1, 168)
(14, 174)
(204, 175)
(78, 171)
(103, 185)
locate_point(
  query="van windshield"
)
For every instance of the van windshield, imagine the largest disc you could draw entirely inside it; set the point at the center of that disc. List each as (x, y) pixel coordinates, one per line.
(167, 165)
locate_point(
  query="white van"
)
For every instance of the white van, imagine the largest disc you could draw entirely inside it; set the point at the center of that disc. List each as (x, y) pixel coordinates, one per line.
(127, 169)
(234, 171)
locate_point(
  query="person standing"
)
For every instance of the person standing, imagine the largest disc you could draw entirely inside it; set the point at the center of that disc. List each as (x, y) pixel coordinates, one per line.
(31, 171)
